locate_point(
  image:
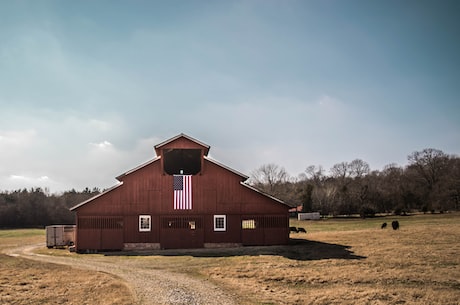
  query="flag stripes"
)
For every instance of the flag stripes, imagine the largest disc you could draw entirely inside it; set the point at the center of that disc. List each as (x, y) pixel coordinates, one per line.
(182, 192)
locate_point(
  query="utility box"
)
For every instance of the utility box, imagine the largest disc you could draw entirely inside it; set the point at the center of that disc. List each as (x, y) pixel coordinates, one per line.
(60, 235)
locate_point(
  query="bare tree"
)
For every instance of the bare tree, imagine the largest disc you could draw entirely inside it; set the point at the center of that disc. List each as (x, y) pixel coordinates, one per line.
(430, 164)
(341, 171)
(315, 174)
(352, 189)
(355, 169)
(358, 168)
(270, 178)
(431, 181)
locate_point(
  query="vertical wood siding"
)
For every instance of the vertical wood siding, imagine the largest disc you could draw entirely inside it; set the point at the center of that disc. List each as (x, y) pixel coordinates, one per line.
(148, 191)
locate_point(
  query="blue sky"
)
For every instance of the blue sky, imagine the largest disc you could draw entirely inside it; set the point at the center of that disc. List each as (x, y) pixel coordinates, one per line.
(87, 88)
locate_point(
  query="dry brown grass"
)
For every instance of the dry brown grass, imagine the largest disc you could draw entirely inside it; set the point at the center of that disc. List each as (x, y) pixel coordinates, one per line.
(25, 281)
(337, 262)
(418, 264)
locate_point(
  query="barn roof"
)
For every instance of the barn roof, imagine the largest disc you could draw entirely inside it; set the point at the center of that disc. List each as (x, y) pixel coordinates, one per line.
(98, 195)
(243, 176)
(157, 148)
(182, 135)
(262, 193)
(119, 177)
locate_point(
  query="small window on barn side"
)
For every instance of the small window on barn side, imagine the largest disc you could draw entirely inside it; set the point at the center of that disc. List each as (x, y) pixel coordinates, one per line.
(145, 223)
(220, 223)
(248, 224)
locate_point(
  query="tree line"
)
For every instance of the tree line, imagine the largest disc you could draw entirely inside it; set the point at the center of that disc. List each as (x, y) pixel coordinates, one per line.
(430, 182)
(36, 208)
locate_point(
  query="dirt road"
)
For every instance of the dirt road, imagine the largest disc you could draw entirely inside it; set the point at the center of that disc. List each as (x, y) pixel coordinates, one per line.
(149, 285)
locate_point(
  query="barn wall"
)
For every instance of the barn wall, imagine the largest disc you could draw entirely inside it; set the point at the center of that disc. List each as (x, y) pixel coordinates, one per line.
(231, 235)
(132, 234)
(148, 191)
(106, 204)
(142, 189)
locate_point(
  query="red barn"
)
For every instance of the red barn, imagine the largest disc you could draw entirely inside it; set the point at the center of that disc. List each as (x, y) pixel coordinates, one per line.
(180, 199)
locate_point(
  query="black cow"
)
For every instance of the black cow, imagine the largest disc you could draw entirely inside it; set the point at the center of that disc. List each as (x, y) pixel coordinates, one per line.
(384, 225)
(293, 229)
(301, 230)
(395, 225)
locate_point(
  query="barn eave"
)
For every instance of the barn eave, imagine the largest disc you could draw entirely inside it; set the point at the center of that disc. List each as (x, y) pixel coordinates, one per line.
(264, 194)
(97, 196)
(243, 176)
(120, 177)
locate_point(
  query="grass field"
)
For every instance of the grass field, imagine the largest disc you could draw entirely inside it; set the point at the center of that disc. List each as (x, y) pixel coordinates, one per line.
(343, 261)
(418, 264)
(339, 261)
(25, 281)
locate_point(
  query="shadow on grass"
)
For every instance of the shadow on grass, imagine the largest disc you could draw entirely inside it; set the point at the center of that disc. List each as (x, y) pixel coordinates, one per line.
(297, 249)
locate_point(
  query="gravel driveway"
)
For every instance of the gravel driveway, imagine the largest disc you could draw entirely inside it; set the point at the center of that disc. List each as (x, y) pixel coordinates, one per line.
(150, 286)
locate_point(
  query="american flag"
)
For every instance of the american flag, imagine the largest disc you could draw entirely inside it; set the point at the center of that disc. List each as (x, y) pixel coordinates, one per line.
(182, 192)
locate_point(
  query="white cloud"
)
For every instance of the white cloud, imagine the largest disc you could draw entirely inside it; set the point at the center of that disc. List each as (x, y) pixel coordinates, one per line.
(16, 138)
(29, 180)
(95, 166)
(60, 150)
(102, 145)
(16, 147)
(18, 177)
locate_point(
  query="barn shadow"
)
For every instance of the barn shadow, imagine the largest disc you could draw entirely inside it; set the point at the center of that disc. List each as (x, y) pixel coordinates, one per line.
(297, 249)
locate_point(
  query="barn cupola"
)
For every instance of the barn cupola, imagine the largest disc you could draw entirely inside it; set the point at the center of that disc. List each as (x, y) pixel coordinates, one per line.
(182, 155)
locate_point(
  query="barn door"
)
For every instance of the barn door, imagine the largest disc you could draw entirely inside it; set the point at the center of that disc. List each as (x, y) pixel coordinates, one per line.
(100, 233)
(181, 232)
(252, 231)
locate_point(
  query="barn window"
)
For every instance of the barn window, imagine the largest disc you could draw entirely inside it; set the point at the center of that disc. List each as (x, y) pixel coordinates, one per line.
(192, 223)
(248, 224)
(182, 161)
(114, 223)
(220, 222)
(145, 223)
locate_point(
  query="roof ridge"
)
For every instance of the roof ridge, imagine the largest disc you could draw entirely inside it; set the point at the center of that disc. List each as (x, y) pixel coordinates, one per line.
(179, 136)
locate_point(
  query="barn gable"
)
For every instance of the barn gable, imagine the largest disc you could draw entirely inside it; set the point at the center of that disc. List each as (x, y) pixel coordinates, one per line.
(182, 155)
(145, 211)
(181, 141)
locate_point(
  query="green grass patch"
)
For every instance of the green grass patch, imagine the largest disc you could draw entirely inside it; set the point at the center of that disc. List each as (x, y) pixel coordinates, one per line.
(18, 233)
(21, 237)
(353, 224)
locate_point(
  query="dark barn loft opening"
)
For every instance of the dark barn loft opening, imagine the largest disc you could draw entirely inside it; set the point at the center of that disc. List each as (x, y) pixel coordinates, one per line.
(182, 161)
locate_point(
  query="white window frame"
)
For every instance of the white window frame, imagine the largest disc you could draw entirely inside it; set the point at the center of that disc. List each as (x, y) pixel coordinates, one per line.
(224, 217)
(142, 217)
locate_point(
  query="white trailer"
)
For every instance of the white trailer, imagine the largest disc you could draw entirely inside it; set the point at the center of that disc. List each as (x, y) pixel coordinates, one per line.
(309, 216)
(60, 235)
